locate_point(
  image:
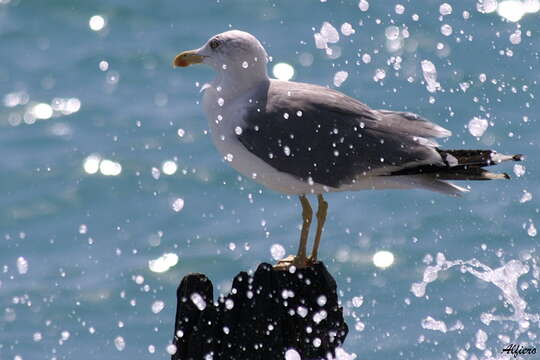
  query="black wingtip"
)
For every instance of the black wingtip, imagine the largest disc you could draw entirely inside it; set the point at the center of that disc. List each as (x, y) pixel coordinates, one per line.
(506, 176)
(518, 157)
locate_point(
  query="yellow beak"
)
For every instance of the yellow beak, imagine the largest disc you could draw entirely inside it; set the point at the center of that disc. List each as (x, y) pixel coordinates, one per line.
(187, 58)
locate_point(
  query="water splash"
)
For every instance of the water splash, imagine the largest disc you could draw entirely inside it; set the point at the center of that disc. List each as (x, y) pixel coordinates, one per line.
(430, 76)
(327, 35)
(506, 279)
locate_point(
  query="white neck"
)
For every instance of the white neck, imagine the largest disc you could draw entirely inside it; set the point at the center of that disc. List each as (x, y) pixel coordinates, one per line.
(236, 79)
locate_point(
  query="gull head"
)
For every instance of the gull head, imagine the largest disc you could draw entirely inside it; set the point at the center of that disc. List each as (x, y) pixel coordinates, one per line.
(235, 53)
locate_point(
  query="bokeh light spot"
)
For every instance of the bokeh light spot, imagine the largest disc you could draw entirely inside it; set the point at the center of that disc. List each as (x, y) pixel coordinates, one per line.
(283, 71)
(42, 111)
(96, 23)
(383, 259)
(163, 263)
(511, 10)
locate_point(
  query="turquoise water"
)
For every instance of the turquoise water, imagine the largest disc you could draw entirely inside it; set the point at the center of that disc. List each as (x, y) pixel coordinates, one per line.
(75, 244)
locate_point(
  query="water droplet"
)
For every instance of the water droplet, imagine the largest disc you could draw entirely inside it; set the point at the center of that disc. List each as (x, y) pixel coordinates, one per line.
(481, 338)
(366, 58)
(171, 349)
(515, 37)
(340, 77)
(430, 76)
(379, 74)
(292, 354)
(487, 6)
(178, 205)
(357, 301)
(347, 29)
(531, 230)
(287, 150)
(527, 196)
(198, 301)
(446, 30)
(96, 23)
(103, 65)
(392, 33)
(277, 251)
(445, 9)
(112, 77)
(120, 343)
(363, 5)
(157, 306)
(169, 167)
(302, 311)
(37, 337)
(22, 265)
(477, 127)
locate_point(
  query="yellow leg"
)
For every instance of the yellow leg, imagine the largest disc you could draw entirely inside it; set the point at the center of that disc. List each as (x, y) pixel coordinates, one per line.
(307, 215)
(321, 218)
(300, 260)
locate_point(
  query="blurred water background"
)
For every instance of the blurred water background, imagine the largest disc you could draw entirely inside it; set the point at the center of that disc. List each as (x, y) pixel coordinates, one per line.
(111, 189)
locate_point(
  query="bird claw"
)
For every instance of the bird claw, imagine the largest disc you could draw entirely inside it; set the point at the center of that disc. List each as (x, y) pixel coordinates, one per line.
(296, 261)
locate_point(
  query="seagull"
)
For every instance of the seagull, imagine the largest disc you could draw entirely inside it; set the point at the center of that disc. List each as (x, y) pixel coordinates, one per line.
(300, 139)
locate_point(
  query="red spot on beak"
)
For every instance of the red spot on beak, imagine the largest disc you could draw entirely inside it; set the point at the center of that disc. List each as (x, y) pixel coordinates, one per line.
(181, 63)
(187, 58)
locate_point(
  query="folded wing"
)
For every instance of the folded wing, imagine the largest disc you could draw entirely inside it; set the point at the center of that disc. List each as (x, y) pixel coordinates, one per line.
(321, 135)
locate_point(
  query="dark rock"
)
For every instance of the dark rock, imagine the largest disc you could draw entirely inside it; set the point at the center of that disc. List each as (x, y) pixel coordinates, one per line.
(264, 315)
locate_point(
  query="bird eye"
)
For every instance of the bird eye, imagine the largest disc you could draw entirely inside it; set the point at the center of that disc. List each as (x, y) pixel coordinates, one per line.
(214, 43)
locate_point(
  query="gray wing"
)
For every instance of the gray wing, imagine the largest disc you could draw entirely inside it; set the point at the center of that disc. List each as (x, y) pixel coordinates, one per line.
(321, 135)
